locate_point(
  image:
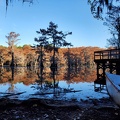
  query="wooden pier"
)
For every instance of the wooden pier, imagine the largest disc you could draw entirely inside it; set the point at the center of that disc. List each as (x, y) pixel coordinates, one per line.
(107, 61)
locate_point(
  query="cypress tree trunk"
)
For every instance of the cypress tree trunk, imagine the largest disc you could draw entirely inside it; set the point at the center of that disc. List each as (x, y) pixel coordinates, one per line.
(12, 62)
(54, 64)
(41, 57)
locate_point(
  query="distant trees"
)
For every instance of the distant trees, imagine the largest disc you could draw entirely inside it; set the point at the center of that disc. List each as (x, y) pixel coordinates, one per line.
(26, 56)
(12, 39)
(30, 60)
(2, 49)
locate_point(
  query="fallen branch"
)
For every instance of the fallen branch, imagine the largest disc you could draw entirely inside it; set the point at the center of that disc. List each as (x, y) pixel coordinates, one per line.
(55, 92)
(12, 94)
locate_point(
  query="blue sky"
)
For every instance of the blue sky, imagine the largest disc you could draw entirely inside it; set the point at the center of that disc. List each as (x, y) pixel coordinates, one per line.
(70, 15)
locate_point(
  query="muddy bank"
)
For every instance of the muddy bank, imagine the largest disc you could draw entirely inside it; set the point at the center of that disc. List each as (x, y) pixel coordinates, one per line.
(44, 109)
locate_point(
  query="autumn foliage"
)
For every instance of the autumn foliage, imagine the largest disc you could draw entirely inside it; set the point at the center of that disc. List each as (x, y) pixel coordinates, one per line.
(67, 57)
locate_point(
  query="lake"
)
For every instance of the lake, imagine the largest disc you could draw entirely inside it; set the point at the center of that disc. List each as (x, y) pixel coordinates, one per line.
(64, 84)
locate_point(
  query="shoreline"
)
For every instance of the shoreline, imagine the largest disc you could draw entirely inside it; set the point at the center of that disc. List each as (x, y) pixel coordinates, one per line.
(45, 109)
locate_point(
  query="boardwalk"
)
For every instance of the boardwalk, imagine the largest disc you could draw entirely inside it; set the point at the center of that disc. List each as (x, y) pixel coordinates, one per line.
(107, 60)
(107, 55)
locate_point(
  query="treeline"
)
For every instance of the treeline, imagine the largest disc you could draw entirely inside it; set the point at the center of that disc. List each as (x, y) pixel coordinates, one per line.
(67, 57)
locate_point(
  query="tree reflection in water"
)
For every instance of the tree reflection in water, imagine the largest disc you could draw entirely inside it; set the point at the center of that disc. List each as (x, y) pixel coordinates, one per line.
(45, 82)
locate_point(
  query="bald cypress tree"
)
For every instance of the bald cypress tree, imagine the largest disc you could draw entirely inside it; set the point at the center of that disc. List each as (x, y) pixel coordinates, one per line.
(41, 46)
(57, 40)
(52, 39)
(12, 38)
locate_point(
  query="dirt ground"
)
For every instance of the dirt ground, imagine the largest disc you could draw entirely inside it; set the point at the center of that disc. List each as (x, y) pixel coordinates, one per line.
(39, 109)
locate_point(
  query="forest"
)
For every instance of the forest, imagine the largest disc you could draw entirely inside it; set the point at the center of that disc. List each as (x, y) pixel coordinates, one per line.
(28, 56)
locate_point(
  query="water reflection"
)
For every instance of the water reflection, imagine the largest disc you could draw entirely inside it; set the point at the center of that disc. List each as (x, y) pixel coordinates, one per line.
(30, 82)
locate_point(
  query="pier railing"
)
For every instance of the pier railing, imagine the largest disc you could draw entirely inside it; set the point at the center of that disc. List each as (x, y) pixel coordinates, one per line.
(107, 54)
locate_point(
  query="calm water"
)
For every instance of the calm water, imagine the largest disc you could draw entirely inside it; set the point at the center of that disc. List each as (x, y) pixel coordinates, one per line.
(64, 84)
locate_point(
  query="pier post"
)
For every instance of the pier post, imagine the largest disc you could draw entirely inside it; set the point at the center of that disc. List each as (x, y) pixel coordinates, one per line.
(107, 61)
